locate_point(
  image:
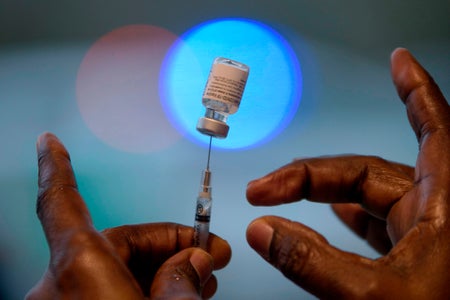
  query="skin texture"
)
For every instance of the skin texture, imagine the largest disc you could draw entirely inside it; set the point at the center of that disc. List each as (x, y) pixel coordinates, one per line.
(152, 261)
(402, 211)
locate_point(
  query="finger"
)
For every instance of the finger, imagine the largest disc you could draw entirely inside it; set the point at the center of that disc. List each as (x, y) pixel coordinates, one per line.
(429, 115)
(183, 275)
(371, 181)
(145, 247)
(78, 251)
(306, 258)
(155, 242)
(59, 205)
(428, 110)
(210, 288)
(368, 227)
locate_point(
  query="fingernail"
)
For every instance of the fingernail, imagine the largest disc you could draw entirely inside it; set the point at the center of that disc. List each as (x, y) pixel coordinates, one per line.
(249, 193)
(260, 181)
(43, 139)
(40, 140)
(255, 187)
(202, 262)
(259, 236)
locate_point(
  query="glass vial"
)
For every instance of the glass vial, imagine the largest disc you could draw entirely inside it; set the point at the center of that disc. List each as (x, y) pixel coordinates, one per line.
(222, 95)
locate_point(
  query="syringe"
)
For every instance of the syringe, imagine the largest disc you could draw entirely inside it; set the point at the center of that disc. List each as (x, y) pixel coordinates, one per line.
(227, 77)
(203, 207)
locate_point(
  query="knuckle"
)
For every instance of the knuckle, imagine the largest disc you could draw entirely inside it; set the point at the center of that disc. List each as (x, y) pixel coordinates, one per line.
(122, 238)
(79, 254)
(114, 232)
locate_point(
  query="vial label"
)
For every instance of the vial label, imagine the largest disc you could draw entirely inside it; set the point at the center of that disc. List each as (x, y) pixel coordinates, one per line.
(225, 84)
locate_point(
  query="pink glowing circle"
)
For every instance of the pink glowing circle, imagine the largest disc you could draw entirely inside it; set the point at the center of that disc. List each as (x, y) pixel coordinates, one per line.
(117, 89)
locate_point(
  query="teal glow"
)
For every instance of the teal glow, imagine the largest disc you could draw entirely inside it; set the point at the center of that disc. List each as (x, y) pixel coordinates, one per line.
(273, 90)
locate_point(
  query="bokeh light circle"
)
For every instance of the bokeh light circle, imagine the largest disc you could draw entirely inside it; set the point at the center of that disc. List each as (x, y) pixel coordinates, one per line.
(118, 89)
(273, 90)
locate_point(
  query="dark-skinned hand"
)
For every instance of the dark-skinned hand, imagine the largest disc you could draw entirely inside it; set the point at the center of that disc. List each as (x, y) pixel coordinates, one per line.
(402, 211)
(153, 261)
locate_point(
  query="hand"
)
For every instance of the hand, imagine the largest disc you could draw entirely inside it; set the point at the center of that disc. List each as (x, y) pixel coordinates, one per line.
(403, 212)
(128, 262)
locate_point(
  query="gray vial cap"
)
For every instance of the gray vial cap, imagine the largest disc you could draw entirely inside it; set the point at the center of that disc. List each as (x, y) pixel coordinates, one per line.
(212, 127)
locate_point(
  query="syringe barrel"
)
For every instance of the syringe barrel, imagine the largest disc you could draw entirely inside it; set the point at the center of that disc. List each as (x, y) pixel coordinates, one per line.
(203, 211)
(201, 223)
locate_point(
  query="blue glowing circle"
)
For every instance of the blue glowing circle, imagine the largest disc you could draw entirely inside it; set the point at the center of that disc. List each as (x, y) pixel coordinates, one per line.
(271, 97)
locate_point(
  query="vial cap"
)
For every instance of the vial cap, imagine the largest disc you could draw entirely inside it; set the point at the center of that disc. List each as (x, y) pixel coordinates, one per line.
(212, 127)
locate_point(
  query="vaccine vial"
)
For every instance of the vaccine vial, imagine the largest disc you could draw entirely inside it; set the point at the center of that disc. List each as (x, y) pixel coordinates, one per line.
(222, 95)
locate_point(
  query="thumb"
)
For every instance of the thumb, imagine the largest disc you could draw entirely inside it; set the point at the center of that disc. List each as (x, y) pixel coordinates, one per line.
(183, 276)
(306, 258)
